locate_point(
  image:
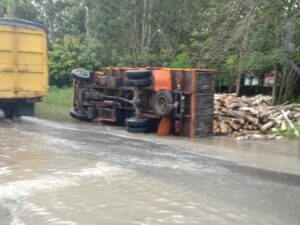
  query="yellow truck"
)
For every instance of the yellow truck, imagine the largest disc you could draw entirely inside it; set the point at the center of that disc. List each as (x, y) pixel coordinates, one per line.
(23, 66)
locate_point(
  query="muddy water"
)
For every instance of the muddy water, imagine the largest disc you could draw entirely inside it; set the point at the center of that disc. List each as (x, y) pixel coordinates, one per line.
(63, 173)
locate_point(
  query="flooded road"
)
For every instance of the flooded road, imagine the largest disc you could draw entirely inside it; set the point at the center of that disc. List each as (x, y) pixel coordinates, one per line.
(64, 173)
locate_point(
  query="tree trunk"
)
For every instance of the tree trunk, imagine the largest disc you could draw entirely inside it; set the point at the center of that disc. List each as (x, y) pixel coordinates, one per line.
(274, 88)
(239, 84)
(246, 32)
(143, 38)
(282, 84)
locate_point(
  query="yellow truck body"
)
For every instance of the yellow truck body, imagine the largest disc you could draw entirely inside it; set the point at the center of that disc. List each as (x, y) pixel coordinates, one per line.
(23, 62)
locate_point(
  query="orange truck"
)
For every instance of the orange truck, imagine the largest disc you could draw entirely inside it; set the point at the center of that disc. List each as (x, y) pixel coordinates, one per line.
(162, 100)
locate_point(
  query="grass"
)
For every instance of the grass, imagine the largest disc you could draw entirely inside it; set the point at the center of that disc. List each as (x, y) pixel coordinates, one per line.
(59, 96)
(289, 133)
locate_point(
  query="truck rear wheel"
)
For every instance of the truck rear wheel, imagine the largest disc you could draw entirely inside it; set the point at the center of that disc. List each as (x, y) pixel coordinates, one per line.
(138, 74)
(138, 130)
(11, 113)
(145, 82)
(137, 122)
(138, 125)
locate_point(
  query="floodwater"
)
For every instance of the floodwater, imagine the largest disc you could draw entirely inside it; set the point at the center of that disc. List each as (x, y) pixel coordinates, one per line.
(62, 172)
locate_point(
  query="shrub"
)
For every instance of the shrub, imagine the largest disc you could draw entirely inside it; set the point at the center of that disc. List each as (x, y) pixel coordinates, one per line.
(181, 61)
(65, 55)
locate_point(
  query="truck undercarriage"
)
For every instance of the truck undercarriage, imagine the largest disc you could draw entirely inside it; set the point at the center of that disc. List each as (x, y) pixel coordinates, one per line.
(162, 100)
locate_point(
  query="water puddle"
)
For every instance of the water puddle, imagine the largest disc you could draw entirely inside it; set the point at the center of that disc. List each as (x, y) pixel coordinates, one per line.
(74, 174)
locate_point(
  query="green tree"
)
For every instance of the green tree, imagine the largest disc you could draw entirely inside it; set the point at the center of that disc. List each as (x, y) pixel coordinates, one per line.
(181, 61)
(65, 55)
(62, 17)
(22, 9)
(140, 32)
(265, 49)
(233, 36)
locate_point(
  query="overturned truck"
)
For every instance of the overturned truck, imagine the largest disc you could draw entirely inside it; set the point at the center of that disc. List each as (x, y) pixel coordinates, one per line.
(162, 100)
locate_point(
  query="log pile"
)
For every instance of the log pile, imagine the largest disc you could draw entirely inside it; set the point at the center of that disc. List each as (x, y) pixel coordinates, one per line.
(253, 117)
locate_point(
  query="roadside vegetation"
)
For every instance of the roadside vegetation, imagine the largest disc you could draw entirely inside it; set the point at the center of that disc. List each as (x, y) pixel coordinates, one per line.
(296, 100)
(237, 37)
(59, 96)
(289, 133)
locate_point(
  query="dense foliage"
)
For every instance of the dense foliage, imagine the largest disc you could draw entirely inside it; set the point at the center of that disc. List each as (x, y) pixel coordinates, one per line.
(234, 36)
(65, 55)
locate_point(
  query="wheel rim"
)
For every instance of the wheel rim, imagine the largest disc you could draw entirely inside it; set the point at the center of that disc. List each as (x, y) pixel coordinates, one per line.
(162, 105)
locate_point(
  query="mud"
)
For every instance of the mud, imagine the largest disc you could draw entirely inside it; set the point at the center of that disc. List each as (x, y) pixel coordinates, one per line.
(77, 173)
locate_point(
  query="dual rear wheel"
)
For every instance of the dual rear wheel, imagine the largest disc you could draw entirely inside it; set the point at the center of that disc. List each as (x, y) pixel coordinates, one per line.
(11, 113)
(139, 78)
(138, 125)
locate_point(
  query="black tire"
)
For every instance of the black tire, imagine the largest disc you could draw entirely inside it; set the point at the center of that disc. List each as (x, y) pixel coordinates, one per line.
(78, 116)
(137, 122)
(138, 130)
(163, 101)
(81, 74)
(11, 113)
(6, 113)
(139, 82)
(138, 74)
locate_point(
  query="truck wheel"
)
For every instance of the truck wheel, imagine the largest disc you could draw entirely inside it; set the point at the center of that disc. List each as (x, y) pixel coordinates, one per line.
(138, 130)
(138, 74)
(163, 101)
(81, 74)
(6, 112)
(137, 122)
(11, 113)
(139, 82)
(78, 115)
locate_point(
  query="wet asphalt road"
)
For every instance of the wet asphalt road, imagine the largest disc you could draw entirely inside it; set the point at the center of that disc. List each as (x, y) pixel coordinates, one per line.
(56, 173)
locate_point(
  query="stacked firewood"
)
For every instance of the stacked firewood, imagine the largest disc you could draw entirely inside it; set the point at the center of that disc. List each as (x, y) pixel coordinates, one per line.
(253, 117)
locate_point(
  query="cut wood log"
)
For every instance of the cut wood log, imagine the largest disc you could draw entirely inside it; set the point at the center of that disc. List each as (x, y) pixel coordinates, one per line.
(267, 126)
(283, 126)
(224, 127)
(296, 132)
(279, 108)
(274, 130)
(247, 116)
(240, 115)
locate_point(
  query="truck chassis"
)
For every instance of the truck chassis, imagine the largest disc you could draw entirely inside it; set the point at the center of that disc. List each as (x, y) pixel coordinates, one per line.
(162, 100)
